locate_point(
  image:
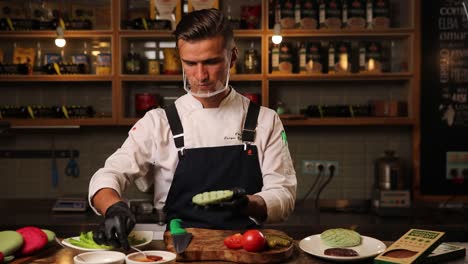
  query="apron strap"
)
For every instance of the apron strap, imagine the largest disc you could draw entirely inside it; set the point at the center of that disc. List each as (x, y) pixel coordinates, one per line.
(248, 132)
(176, 126)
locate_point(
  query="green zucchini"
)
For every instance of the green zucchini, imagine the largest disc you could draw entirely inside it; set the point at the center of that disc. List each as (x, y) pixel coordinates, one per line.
(212, 197)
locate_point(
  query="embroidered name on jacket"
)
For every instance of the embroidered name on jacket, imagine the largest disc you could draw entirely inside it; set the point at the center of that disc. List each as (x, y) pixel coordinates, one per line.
(237, 136)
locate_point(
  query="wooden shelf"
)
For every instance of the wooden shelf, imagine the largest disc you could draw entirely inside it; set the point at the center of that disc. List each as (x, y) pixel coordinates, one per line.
(338, 121)
(146, 33)
(267, 81)
(58, 123)
(247, 33)
(391, 32)
(127, 121)
(178, 77)
(56, 78)
(241, 33)
(145, 78)
(53, 34)
(246, 77)
(351, 121)
(339, 77)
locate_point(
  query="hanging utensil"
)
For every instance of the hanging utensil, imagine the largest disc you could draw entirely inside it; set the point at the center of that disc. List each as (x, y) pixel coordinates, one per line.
(72, 169)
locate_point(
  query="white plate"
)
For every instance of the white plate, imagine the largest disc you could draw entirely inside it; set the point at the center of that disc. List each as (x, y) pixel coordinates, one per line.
(369, 247)
(147, 235)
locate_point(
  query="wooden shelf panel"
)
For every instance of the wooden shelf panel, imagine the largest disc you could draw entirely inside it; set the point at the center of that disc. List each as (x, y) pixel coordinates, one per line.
(162, 77)
(145, 78)
(246, 77)
(243, 33)
(350, 121)
(59, 123)
(391, 32)
(343, 121)
(53, 34)
(56, 78)
(127, 121)
(146, 33)
(344, 77)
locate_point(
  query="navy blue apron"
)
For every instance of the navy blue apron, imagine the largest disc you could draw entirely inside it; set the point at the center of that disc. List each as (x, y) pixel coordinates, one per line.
(210, 169)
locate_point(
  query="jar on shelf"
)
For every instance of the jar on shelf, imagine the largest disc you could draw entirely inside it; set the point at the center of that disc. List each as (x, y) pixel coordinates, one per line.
(145, 102)
(251, 60)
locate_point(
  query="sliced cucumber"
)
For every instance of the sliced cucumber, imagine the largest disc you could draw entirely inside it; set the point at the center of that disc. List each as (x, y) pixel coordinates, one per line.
(50, 235)
(10, 242)
(340, 237)
(212, 197)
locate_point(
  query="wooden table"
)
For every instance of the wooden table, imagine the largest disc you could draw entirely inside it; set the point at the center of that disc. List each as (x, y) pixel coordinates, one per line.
(57, 255)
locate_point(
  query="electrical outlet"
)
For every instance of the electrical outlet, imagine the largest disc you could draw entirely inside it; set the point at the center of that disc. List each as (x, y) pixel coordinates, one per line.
(308, 167)
(319, 167)
(325, 167)
(333, 163)
(311, 167)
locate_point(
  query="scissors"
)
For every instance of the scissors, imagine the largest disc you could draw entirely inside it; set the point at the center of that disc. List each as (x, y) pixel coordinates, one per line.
(72, 168)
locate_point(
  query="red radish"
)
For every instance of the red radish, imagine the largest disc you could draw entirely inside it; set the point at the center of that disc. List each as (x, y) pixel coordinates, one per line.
(34, 240)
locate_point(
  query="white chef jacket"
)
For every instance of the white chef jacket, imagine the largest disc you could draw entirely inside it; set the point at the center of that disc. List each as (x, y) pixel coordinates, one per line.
(149, 154)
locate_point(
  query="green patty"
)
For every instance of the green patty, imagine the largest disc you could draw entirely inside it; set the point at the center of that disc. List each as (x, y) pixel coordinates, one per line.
(212, 197)
(340, 237)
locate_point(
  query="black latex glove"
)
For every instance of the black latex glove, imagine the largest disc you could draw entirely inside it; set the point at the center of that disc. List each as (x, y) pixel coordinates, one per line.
(238, 202)
(118, 223)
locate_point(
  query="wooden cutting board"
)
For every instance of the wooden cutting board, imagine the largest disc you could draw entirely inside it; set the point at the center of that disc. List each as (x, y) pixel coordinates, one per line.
(207, 244)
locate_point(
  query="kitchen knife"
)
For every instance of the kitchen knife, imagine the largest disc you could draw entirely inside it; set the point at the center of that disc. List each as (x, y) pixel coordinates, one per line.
(180, 237)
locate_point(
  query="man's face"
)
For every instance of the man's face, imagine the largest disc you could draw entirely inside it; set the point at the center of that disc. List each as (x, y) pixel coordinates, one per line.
(206, 63)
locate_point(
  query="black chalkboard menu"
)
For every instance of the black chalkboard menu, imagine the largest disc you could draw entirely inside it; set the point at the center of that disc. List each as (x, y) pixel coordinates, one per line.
(444, 101)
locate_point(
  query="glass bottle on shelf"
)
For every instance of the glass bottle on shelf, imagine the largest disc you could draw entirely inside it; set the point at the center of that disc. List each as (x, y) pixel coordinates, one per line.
(153, 62)
(275, 58)
(133, 61)
(86, 57)
(38, 60)
(235, 23)
(82, 59)
(251, 61)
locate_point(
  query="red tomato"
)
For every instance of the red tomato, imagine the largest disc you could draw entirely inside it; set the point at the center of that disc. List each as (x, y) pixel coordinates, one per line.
(253, 240)
(234, 241)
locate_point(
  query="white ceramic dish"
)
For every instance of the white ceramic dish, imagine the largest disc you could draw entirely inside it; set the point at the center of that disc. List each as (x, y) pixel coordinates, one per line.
(147, 235)
(370, 247)
(167, 257)
(100, 257)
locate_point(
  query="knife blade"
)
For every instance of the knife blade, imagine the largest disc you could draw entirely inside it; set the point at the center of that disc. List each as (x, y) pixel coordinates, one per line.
(180, 237)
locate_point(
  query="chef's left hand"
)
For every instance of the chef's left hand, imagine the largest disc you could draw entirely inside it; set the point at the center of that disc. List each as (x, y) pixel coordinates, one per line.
(238, 202)
(239, 199)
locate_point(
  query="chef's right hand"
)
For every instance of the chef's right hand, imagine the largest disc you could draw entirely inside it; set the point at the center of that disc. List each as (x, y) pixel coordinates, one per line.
(118, 223)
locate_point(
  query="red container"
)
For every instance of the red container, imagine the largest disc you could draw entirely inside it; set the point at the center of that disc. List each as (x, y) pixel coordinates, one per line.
(253, 97)
(145, 102)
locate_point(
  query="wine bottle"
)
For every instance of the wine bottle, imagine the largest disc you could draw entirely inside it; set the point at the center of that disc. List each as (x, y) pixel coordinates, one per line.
(133, 62)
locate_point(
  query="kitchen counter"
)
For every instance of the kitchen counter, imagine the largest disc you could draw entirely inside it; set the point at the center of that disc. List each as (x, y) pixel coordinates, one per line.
(303, 222)
(56, 255)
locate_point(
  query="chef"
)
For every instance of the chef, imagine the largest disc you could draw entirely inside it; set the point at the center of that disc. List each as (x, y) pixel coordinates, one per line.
(212, 138)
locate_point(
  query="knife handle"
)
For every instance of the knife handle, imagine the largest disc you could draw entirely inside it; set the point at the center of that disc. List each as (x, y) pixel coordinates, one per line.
(175, 227)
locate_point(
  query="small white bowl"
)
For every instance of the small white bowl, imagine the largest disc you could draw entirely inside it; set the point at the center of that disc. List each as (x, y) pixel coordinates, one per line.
(100, 257)
(167, 257)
